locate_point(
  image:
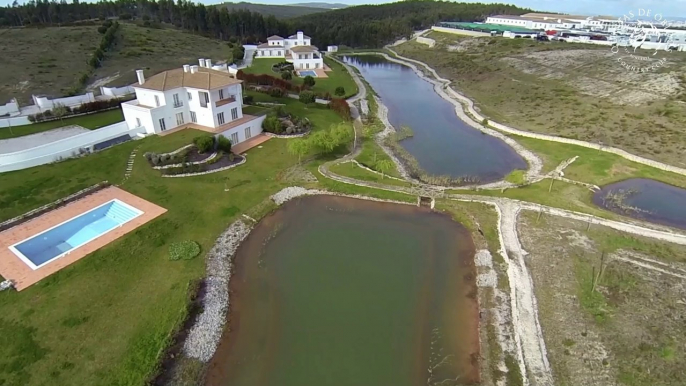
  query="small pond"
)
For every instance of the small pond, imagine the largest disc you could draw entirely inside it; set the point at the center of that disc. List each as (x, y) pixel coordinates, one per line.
(442, 143)
(338, 291)
(645, 199)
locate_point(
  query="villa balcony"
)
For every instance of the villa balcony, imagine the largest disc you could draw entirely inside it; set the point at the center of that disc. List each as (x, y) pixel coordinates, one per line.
(225, 101)
(178, 104)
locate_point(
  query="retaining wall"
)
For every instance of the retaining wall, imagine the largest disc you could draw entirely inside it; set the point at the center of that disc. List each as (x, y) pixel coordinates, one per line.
(64, 148)
(116, 91)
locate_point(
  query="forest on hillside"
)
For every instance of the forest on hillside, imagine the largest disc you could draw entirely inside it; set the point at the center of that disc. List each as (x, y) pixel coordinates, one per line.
(365, 26)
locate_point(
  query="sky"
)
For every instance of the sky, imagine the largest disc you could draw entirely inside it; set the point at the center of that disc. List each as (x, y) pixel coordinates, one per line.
(668, 8)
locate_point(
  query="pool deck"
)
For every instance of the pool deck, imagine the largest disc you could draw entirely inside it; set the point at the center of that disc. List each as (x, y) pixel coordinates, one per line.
(14, 269)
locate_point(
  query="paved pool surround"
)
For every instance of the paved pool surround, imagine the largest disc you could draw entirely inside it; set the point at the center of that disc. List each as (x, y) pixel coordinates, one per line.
(13, 268)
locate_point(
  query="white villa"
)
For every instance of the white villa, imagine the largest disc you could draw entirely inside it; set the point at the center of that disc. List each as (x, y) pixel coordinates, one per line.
(197, 97)
(296, 49)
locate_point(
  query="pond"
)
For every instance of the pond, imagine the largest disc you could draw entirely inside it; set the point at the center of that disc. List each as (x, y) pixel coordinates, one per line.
(443, 144)
(645, 199)
(338, 291)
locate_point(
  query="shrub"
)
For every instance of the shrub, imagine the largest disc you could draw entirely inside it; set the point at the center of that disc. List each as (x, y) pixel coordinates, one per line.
(306, 97)
(248, 99)
(286, 75)
(340, 91)
(271, 124)
(125, 16)
(484, 122)
(308, 81)
(277, 92)
(280, 111)
(341, 107)
(204, 143)
(223, 144)
(231, 157)
(183, 250)
(102, 29)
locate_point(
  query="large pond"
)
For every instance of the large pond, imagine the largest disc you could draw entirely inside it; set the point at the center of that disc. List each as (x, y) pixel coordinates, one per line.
(337, 291)
(442, 143)
(645, 199)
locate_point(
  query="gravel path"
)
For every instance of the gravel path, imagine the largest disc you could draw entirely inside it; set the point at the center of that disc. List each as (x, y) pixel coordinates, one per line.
(203, 338)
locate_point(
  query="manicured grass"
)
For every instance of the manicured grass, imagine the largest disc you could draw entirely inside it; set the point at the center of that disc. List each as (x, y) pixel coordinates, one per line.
(516, 177)
(593, 166)
(255, 110)
(371, 154)
(106, 319)
(351, 170)
(339, 77)
(90, 121)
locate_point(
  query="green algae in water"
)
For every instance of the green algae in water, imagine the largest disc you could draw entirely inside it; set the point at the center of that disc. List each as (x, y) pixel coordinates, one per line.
(337, 291)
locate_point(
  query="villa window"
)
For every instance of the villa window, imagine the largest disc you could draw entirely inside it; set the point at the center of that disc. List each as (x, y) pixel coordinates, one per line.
(194, 118)
(221, 94)
(247, 133)
(157, 101)
(204, 98)
(177, 102)
(220, 118)
(179, 119)
(190, 97)
(234, 138)
(163, 127)
(234, 113)
(138, 122)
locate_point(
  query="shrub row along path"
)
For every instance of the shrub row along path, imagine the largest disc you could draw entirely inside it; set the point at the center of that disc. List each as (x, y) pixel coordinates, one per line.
(530, 344)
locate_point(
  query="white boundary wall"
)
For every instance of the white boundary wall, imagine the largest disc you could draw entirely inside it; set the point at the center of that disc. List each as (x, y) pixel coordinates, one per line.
(14, 121)
(116, 91)
(11, 107)
(459, 31)
(429, 42)
(64, 148)
(45, 103)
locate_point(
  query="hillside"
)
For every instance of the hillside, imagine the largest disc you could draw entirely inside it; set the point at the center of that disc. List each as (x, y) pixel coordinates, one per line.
(322, 5)
(278, 11)
(44, 70)
(31, 65)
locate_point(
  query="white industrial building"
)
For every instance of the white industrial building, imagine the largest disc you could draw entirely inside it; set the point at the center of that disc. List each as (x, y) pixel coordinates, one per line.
(548, 21)
(193, 96)
(296, 49)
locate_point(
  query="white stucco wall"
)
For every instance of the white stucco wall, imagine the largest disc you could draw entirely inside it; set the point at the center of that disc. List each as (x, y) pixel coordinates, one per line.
(255, 128)
(116, 91)
(64, 148)
(46, 103)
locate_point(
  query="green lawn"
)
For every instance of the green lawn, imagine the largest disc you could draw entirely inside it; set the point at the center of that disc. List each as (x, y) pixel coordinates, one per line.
(593, 166)
(255, 110)
(349, 169)
(91, 121)
(338, 77)
(106, 319)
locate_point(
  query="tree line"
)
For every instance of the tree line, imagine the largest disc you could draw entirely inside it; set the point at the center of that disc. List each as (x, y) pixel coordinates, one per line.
(362, 26)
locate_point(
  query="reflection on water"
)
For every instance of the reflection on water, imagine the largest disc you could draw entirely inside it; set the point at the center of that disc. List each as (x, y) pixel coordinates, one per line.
(442, 143)
(351, 292)
(645, 199)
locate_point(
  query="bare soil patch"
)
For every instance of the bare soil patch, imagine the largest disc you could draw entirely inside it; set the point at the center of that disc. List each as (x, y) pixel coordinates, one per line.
(629, 330)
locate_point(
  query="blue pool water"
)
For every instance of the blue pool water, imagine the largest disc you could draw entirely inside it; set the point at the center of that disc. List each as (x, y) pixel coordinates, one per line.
(307, 72)
(73, 233)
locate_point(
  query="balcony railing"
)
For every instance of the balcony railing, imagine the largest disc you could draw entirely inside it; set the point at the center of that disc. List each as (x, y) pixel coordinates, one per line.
(178, 104)
(225, 101)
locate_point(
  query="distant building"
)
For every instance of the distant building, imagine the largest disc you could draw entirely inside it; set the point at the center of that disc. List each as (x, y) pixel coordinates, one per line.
(332, 49)
(295, 49)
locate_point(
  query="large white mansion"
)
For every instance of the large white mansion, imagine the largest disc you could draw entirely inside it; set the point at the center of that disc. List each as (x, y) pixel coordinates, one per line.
(193, 96)
(296, 49)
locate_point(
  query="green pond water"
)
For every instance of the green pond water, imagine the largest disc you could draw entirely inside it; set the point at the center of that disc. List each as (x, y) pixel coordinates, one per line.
(338, 291)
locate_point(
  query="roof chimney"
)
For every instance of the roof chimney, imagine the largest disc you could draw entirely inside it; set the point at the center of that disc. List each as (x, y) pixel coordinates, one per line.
(208, 63)
(300, 35)
(194, 69)
(141, 77)
(186, 68)
(202, 62)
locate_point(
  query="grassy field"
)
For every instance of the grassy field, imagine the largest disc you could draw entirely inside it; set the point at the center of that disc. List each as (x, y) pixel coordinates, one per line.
(351, 170)
(32, 65)
(571, 90)
(89, 323)
(91, 121)
(337, 78)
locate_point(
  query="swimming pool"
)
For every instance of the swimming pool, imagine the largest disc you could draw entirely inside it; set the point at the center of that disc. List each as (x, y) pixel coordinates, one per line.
(63, 238)
(304, 73)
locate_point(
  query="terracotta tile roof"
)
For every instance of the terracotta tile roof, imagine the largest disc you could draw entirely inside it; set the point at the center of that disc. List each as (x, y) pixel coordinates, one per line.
(204, 79)
(266, 45)
(304, 49)
(275, 37)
